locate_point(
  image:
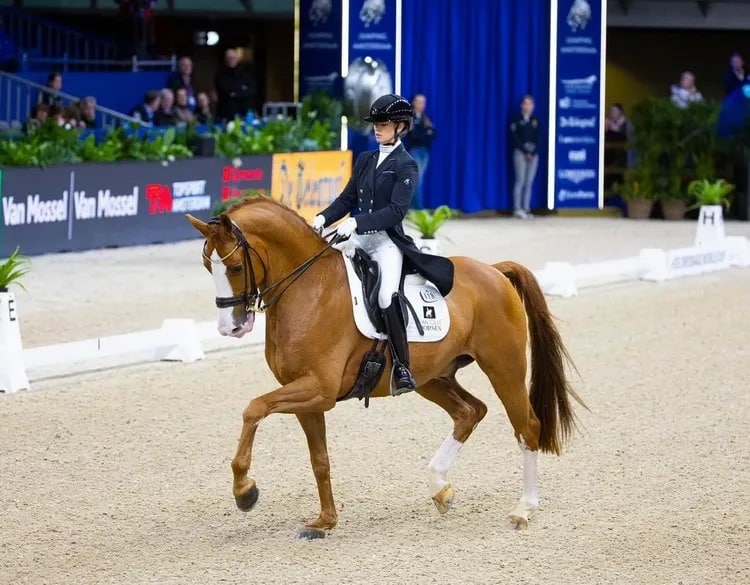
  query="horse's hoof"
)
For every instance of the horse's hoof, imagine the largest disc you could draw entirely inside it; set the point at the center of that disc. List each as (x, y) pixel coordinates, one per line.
(443, 500)
(310, 534)
(518, 522)
(246, 501)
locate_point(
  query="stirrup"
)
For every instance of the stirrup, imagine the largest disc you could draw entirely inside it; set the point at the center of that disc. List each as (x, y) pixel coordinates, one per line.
(404, 383)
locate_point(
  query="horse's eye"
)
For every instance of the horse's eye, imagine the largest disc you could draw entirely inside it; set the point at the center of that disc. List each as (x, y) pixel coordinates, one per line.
(234, 269)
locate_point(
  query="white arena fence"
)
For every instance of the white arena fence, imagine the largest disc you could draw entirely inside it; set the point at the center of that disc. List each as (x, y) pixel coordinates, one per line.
(186, 341)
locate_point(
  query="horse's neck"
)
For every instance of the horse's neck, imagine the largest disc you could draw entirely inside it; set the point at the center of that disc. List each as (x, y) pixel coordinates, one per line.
(287, 245)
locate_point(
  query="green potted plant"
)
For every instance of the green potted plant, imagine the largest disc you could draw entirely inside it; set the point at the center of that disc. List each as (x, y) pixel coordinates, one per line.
(12, 370)
(714, 194)
(637, 190)
(13, 270)
(427, 223)
(711, 197)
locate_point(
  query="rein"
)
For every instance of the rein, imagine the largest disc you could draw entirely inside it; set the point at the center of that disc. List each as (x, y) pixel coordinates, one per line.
(251, 297)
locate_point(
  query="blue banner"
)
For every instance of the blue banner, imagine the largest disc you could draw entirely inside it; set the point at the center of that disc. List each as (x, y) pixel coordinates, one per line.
(320, 47)
(576, 104)
(373, 54)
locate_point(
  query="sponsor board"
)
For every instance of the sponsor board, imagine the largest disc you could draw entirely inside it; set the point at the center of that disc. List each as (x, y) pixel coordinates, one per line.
(309, 181)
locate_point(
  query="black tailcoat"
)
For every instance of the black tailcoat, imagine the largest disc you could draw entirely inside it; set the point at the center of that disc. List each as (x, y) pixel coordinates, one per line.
(379, 199)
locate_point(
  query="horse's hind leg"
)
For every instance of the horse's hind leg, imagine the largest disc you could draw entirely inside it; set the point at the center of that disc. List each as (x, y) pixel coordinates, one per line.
(505, 366)
(466, 412)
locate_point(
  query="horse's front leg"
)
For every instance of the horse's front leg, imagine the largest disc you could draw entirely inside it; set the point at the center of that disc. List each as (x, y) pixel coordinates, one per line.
(314, 425)
(298, 397)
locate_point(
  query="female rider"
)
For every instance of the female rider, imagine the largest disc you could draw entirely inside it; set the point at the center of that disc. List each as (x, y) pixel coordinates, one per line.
(378, 195)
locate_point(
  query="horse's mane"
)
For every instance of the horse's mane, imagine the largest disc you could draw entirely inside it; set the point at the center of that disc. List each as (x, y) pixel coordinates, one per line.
(263, 200)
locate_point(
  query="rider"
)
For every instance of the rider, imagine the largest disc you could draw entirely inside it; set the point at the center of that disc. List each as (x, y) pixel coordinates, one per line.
(378, 196)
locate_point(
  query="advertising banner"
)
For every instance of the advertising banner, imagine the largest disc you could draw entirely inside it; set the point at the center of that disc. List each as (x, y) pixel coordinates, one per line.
(90, 206)
(373, 54)
(577, 95)
(246, 173)
(309, 181)
(320, 46)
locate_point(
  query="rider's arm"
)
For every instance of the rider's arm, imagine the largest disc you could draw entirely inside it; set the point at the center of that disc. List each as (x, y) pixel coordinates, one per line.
(401, 196)
(347, 201)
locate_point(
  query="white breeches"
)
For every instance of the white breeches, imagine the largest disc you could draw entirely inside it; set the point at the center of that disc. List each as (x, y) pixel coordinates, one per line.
(381, 248)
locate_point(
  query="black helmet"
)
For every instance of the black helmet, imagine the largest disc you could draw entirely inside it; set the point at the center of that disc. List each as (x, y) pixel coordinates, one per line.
(391, 108)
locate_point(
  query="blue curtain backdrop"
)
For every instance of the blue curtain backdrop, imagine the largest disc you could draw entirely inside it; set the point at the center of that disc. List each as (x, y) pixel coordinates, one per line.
(474, 60)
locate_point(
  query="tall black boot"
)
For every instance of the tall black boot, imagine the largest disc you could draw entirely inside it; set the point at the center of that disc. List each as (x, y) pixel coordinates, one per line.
(396, 328)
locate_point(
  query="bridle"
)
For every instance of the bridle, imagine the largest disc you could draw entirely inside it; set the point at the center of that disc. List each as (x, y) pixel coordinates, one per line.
(252, 297)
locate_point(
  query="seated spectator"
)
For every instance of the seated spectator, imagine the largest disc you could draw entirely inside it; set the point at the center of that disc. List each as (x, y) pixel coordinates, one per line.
(165, 115)
(52, 97)
(183, 78)
(182, 110)
(736, 77)
(146, 112)
(38, 117)
(204, 112)
(57, 114)
(87, 112)
(686, 92)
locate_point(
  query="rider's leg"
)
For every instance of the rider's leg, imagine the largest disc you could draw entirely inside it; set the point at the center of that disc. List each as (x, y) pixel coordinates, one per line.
(390, 259)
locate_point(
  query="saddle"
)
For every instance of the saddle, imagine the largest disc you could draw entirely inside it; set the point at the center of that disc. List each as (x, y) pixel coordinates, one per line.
(368, 272)
(373, 362)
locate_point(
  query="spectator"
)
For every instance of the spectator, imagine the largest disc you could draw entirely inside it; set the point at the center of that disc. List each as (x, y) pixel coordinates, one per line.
(525, 132)
(165, 115)
(146, 111)
(419, 140)
(736, 76)
(51, 97)
(235, 88)
(183, 78)
(203, 111)
(686, 92)
(38, 117)
(617, 131)
(88, 112)
(57, 113)
(182, 110)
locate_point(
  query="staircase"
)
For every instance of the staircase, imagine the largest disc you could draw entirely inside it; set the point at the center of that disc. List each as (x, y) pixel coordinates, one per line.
(44, 44)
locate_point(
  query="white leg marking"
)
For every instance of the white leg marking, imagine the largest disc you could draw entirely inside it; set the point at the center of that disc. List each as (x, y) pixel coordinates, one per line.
(223, 289)
(441, 462)
(530, 498)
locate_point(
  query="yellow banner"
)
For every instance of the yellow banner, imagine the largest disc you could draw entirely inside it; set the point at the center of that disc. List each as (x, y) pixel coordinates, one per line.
(309, 181)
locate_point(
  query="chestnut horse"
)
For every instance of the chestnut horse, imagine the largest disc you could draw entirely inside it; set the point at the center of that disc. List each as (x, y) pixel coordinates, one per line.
(261, 253)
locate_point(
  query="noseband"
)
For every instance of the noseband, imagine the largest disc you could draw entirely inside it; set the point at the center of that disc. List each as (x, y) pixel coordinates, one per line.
(252, 297)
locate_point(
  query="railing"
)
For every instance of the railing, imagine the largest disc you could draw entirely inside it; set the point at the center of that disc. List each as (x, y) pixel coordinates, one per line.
(19, 95)
(65, 63)
(48, 39)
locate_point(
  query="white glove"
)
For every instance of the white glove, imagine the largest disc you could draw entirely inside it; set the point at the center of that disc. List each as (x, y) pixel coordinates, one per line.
(347, 247)
(347, 228)
(318, 222)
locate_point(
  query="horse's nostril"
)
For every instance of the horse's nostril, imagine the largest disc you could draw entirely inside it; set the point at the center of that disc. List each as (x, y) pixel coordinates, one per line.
(236, 329)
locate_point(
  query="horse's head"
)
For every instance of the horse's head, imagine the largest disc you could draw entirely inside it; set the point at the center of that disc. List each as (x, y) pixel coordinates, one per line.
(228, 256)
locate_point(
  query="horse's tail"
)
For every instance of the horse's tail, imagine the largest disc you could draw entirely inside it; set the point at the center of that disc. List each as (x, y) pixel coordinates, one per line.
(550, 390)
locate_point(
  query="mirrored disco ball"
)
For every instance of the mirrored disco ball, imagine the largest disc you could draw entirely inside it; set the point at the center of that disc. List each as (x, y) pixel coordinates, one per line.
(368, 79)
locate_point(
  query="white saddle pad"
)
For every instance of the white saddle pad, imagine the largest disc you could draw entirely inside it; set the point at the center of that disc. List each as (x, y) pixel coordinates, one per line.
(424, 296)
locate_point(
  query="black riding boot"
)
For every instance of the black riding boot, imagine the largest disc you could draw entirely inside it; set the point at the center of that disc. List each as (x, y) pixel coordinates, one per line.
(396, 329)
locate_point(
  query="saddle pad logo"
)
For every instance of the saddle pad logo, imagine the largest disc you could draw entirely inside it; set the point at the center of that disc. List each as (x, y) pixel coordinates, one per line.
(429, 312)
(428, 295)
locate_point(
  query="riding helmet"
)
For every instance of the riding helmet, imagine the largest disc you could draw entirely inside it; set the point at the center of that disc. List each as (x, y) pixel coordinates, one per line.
(391, 108)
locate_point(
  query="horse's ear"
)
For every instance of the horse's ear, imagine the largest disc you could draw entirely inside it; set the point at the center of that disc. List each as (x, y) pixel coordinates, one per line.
(201, 226)
(226, 223)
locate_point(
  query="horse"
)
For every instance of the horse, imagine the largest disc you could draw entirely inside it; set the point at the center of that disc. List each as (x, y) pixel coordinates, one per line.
(263, 256)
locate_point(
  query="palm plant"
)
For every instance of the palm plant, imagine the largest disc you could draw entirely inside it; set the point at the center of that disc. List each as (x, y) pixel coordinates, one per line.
(710, 192)
(13, 269)
(427, 222)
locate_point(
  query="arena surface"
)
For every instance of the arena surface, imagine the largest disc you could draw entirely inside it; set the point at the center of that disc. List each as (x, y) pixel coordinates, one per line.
(122, 475)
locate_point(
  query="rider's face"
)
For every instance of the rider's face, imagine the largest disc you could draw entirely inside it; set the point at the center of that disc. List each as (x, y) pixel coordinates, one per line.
(385, 132)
